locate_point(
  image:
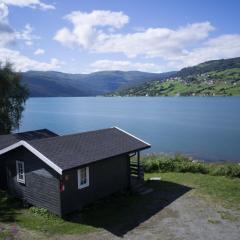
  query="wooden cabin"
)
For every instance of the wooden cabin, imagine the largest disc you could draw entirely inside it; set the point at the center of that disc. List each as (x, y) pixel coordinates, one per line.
(65, 173)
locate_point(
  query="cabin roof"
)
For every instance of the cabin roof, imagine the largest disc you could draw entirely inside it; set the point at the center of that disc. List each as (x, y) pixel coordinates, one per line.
(74, 150)
(71, 151)
(9, 139)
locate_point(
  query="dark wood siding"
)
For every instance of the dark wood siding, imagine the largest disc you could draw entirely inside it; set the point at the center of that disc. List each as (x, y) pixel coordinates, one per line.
(41, 186)
(106, 177)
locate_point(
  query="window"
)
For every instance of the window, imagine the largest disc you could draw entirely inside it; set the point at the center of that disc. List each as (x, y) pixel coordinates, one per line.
(20, 171)
(83, 177)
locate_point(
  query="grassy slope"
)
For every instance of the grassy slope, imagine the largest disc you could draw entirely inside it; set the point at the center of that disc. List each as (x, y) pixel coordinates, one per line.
(225, 83)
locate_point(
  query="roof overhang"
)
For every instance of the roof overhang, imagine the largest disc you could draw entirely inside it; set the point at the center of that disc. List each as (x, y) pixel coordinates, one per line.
(33, 150)
(131, 135)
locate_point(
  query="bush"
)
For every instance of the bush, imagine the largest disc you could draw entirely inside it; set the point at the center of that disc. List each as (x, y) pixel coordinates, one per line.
(193, 167)
(230, 170)
(151, 166)
(182, 163)
(43, 212)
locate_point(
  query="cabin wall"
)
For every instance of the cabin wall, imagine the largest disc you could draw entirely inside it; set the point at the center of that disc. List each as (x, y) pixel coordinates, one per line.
(105, 177)
(41, 186)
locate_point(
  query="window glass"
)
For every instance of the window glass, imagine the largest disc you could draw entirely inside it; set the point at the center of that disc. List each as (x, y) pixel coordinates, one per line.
(20, 171)
(83, 177)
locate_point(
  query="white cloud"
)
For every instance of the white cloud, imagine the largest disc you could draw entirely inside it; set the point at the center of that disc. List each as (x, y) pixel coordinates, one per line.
(86, 27)
(153, 42)
(39, 51)
(6, 38)
(3, 13)
(29, 3)
(24, 63)
(91, 31)
(7, 35)
(107, 65)
(100, 32)
(27, 35)
(225, 46)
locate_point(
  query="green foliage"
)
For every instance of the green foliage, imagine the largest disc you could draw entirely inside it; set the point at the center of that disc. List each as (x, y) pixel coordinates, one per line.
(220, 78)
(214, 65)
(230, 170)
(181, 163)
(12, 97)
(43, 212)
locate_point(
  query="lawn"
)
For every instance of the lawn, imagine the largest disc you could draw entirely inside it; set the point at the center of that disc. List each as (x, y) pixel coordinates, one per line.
(223, 189)
(121, 213)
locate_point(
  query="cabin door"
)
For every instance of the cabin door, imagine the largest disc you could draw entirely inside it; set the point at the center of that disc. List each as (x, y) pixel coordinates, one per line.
(3, 178)
(8, 179)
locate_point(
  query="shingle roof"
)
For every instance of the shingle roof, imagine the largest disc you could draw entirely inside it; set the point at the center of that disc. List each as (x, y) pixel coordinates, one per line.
(7, 140)
(71, 151)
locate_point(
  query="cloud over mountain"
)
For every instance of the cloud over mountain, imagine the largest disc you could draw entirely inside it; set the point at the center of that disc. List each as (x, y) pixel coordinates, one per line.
(184, 46)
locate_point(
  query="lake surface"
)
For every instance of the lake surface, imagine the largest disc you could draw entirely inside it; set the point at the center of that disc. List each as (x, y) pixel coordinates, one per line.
(205, 127)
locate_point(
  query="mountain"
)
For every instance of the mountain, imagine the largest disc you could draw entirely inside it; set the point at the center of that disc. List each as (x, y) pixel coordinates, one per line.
(54, 84)
(209, 66)
(217, 77)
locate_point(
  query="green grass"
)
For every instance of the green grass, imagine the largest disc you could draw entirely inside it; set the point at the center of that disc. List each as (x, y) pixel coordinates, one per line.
(50, 224)
(11, 211)
(219, 188)
(225, 83)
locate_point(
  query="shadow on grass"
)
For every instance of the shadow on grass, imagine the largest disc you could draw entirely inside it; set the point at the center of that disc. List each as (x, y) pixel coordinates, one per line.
(117, 214)
(8, 207)
(120, 214)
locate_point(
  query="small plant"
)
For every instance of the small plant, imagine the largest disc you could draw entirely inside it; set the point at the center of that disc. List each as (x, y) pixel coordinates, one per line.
(43, 212)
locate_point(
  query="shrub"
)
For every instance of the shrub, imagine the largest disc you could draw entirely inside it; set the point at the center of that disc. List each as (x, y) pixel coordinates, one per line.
(151, 165)
(193, 167)
(166, 165)
(230, 170)
(182, 163)
(43, 212)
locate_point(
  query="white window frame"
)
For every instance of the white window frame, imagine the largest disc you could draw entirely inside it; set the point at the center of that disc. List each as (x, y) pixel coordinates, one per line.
(80, 186)
(20, 179)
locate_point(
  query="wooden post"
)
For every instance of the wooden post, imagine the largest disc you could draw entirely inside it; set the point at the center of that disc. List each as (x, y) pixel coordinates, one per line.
(138, 163)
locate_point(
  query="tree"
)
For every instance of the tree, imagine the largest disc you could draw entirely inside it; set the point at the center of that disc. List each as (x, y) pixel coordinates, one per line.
(13, 96)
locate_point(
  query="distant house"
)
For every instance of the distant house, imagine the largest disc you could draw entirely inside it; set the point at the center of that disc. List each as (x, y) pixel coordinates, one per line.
(65, 173)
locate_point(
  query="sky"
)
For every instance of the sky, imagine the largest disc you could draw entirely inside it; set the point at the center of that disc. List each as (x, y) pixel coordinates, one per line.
(82, 36)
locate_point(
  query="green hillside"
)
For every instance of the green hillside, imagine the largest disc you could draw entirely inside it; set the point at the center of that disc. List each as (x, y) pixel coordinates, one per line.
(218, 77)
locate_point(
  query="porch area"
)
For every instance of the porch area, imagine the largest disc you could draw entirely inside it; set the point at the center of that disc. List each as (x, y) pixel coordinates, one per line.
(137, 175)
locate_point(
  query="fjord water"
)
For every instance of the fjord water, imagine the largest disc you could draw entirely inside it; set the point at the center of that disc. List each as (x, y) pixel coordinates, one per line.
(205, 127)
